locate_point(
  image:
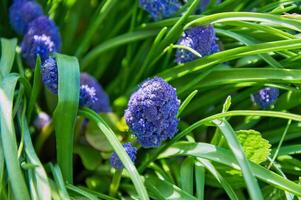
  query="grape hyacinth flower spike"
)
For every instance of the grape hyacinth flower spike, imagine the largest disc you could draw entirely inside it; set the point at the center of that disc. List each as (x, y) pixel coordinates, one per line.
(152, 112)
(42, 38)
(159, 9)
(265, 97)
(102, 105)
(88, 94)
(21, 13)
(202, 39)
(131, 151)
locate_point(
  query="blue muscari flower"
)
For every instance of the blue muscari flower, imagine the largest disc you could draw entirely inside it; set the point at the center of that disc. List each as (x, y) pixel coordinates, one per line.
(201, 39)
(89, 94)
(116, 162)
(204, 4)
(50, 74)
(44, 26)
(152, 112)
(160, 9)
(265, 97)
(21, 13)
(102, 104)
(42, 120)
(41, 45)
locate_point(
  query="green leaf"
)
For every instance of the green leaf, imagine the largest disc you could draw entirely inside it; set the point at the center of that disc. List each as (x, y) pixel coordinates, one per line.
(256, 148)
(58, 178)
(200, 180)
(233, 143)
(8, 49)
(224, 156)
(115, 42)
(186, 175)
(81, 192)
(186, 102)
(38, 179)
(95, 23)
(66, 112)
(162, 189)
(247, 16)
(209, 61)
(227, 104)
(8, 138)
(124, 157)
(35, 88)
(223, 182)
(90, 157)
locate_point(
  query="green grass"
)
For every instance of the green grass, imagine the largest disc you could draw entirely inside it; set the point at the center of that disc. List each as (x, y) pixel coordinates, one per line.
(118, 43)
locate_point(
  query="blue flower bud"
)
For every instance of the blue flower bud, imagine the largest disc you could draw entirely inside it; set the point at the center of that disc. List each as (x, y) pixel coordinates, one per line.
(160, 9)
(202, 39)
(152, 112)
(42, 120)
(21, 13)
(265, 97)
(50, 74)
(131, 151)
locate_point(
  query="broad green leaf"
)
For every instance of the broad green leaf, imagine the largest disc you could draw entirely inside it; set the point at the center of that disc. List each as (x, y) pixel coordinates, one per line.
(256, 148)
(8, 138)
(224, 156)
(162, 189)
(90, 157)
(186, 175)
(60, 184)
(8, 49)
(66, 112)
(200, 180)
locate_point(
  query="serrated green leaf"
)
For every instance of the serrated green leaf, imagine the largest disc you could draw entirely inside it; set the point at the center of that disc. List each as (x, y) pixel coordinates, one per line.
(256, 148)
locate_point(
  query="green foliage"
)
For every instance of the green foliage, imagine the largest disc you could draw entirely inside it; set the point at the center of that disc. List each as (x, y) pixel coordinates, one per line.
(120, 45)
(256, 148)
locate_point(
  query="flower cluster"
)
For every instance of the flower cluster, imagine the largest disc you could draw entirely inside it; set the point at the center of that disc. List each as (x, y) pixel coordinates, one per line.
(131, 151)
(152, 112)
(21, 13)
(90, 95)
(159, 9)
(41, 36)
(202, 39)
(265, 97)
